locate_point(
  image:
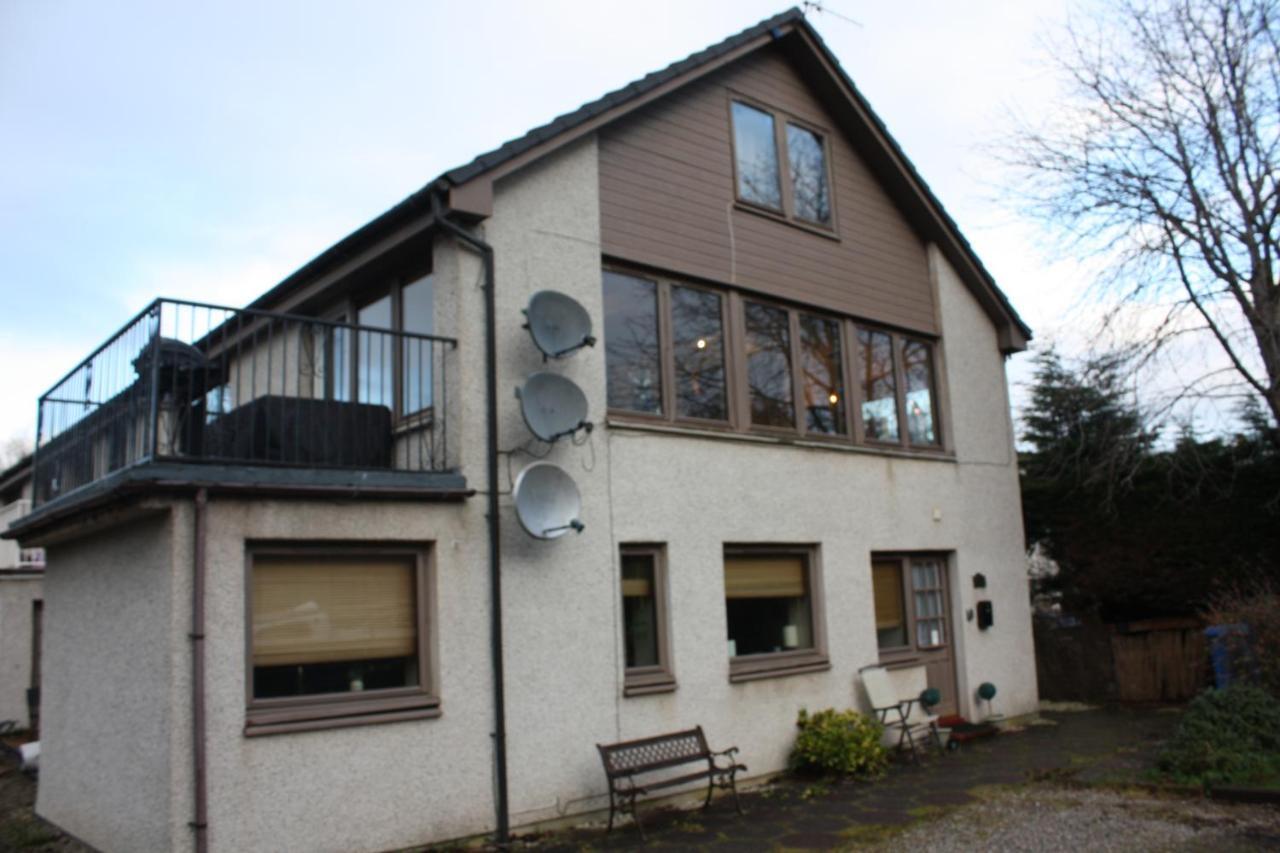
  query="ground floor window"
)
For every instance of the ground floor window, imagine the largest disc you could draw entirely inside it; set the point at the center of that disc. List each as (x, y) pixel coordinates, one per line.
(337, 635)
(913, 618)
(644, 620)
(772, 610)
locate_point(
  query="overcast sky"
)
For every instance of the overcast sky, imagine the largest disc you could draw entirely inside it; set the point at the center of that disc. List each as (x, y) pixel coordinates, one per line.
(208, 150)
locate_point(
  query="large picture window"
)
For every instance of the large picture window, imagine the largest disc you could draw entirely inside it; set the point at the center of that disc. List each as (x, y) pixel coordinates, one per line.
(774, 623)
(699, 356)
(337, 636)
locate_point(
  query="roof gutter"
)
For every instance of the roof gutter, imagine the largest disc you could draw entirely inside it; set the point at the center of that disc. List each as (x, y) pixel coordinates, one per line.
(478, 245)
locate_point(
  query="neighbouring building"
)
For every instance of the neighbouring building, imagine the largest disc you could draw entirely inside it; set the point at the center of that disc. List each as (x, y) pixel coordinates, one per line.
(273, 621)
(21, 605)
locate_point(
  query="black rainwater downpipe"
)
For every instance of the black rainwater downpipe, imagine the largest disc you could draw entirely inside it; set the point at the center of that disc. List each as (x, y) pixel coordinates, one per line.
(495, 554)
(200, 821)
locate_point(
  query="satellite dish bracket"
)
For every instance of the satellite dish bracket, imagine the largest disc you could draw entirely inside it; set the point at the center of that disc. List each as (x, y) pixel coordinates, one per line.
(575, 525)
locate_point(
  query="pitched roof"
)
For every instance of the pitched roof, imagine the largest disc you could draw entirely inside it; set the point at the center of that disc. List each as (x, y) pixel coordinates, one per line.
(559, 131)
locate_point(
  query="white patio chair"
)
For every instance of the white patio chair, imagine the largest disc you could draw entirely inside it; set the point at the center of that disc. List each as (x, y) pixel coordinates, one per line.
(907, 717)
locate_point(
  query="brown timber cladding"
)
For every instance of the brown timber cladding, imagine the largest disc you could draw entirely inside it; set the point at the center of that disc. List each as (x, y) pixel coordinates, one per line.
(667, 200)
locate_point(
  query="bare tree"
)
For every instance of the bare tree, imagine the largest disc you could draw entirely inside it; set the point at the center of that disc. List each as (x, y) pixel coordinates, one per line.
(1165, 161)
(13, 450)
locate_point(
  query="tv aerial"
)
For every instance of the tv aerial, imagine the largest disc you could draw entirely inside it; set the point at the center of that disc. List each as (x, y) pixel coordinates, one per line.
(553, 406)
(558, 323)
(547, 501)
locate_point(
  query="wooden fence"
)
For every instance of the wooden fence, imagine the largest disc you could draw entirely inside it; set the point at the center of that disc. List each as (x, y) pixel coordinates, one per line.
(1153, 661)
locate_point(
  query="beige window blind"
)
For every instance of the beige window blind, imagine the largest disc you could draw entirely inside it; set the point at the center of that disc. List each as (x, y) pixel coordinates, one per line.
(771, 576)
(886, 580)
(310, 610)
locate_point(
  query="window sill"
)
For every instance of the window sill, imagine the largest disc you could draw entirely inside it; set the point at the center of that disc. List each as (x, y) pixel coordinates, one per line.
(783, 219)
(259, 721)
(780, 666)
(649, 685)
(620, 421)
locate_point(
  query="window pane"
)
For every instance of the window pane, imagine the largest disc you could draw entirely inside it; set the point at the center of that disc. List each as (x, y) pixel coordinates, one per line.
(917, 370)
(375, 361)
(756, 149)
(891, 608)
(767, 603)
(333, 625)
(808, 175)
(822, 374)
(769, 365)
(879, 395)
(640, 609)
(697, 329)
(633, 361)
(418, 305)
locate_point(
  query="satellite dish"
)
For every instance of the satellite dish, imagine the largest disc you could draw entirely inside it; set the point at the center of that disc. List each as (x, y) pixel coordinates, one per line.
(553, 406)
(547, 501)
(558, 323)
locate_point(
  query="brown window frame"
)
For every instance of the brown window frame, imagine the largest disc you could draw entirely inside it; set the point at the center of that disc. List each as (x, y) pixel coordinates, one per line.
(896, 341)
(339, 710)
(666, 349)
(787, 214)
(906, 654)
(348, 311)
(798, 661)
(738, 392)
(658, 678)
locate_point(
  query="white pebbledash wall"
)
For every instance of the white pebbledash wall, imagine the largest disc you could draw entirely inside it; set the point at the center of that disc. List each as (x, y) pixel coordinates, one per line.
(386, 786)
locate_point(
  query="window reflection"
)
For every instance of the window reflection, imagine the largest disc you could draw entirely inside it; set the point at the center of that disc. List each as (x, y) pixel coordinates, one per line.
(632, 355)
(917, 371)
(376, 354)
(879, 393)
(822, 375)
(418, 307)
(697, 331)
(756, 149)
(769, 365)
(810, 195)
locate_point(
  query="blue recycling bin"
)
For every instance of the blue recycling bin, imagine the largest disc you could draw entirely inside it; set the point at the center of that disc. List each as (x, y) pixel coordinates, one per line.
(1224, 641)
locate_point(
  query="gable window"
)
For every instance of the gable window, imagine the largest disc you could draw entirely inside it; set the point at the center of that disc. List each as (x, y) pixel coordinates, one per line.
(337, 636)
(644, 621)
(809, 192)
(755, 147)
(774, 625)
(758, 137)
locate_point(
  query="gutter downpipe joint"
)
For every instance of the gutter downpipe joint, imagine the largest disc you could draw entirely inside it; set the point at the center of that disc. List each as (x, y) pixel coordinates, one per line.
(485, 251)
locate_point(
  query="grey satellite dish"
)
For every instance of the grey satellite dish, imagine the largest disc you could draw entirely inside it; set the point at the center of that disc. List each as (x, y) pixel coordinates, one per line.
(553, 406)
(547, 501)
(558, 323)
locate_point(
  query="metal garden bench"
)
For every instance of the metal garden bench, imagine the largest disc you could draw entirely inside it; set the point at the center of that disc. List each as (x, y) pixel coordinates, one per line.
(623, 762)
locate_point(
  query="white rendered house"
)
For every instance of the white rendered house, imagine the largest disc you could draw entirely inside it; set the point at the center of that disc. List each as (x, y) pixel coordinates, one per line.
(281, 541)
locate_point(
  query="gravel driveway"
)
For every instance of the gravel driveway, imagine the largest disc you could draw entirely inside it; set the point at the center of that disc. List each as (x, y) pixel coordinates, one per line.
(1045, 817)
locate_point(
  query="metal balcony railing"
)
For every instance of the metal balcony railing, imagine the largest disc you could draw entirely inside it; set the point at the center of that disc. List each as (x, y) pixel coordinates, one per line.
(194, 383)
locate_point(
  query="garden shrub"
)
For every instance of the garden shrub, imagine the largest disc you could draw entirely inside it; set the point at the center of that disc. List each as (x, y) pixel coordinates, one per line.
(845, 742)
(1226, 737)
